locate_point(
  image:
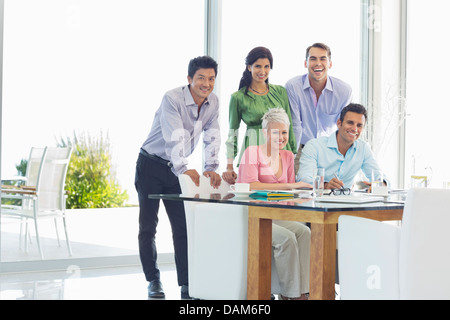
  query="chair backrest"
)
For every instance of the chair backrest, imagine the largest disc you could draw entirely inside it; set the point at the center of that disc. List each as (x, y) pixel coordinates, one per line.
(32, 173)
(424, 262)
(217, 244)
(188, 187)
(368, 259)
(33, 166)
(205, 186)
(52, 179)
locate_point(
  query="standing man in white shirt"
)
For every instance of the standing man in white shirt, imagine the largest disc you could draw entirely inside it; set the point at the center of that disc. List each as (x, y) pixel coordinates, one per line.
(316, 99)
(185, 114)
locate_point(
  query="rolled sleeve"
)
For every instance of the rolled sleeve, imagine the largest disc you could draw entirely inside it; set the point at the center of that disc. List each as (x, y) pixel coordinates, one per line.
(211, 141)
(234, 123)
(308, 162)
(175, 136)
(294, 105)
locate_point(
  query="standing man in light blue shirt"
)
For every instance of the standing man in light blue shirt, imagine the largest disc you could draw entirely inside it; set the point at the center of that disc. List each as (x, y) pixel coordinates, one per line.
(342, 154)
(316, 99)
(184, 115)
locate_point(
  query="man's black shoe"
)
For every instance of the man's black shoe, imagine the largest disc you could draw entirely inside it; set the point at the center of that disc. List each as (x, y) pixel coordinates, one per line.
(185, 292)
(155, 289)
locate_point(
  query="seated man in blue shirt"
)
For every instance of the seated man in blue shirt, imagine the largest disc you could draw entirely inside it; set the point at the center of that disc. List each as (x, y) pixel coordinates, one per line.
(341, 153)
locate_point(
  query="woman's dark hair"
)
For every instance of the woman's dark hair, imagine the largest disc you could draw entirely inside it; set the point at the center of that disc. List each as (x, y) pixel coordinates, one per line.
(253, 55)
(203, 62)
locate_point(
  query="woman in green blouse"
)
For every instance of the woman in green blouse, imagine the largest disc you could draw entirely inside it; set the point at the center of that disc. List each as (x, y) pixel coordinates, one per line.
(254, 97)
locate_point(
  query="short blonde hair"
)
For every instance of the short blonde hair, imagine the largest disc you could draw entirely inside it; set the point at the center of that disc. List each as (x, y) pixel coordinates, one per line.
(275, 115)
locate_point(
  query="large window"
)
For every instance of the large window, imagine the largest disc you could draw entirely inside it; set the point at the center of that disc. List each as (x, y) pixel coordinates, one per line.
(287, 28)
(94, 67)
(427, 83)
(102, 66)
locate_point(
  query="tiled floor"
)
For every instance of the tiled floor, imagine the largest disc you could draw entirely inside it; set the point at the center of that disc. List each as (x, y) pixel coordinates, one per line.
(118, 283)
(110, 283)
(113, 283)
(92, 233)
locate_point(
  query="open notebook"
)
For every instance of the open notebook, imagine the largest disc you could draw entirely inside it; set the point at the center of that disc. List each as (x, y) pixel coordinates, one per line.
(352, 198)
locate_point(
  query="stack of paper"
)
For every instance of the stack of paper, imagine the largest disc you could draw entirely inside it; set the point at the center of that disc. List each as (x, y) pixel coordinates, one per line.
(354, 198)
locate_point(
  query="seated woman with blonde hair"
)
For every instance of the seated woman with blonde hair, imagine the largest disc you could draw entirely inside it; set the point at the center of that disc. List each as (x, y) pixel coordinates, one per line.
(269, 167)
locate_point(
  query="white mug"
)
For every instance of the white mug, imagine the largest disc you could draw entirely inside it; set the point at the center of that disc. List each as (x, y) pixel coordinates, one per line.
(240, 187)
(377, 184)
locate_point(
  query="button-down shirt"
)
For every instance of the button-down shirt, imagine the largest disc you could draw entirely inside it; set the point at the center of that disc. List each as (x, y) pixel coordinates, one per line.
(323, 152)
(177, 128)
(312, 119)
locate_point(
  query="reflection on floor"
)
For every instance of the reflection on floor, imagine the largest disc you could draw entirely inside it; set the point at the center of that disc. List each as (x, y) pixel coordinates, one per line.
(118, 283)
(92, 233)
(113, 283)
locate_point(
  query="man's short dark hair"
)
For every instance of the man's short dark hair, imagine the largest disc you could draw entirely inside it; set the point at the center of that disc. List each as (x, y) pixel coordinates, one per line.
(319, 46)
(356, 108)
(204, 62)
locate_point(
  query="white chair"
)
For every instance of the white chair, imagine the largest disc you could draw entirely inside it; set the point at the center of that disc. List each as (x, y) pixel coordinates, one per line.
(382, 261)
(29, 185)
(217, 245)
(47, 197)
(33, 165)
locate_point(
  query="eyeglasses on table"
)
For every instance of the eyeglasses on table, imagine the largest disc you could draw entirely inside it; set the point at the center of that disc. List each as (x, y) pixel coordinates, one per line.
(341, 191)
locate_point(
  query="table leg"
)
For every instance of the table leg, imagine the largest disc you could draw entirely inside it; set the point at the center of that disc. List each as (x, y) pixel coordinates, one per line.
(259, 259)
(323, 262)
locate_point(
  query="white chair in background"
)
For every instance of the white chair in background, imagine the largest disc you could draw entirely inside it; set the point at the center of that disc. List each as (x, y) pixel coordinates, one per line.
(382, 261)
(33, 165)
(46, 198)
(29, 185)
(217, 245)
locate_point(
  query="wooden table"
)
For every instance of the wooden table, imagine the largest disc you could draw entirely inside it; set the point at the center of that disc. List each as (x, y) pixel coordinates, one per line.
(323, 242)
(323, 218)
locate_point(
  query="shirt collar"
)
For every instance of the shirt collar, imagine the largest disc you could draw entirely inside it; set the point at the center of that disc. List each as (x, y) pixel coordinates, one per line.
(328, 85)
(332, 142)
(189, 100)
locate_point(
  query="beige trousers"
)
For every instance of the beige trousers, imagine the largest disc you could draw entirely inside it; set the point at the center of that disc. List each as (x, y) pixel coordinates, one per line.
(291, 246)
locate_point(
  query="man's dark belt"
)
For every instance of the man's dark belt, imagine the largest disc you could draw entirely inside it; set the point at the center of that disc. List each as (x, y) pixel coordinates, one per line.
(155, 158)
